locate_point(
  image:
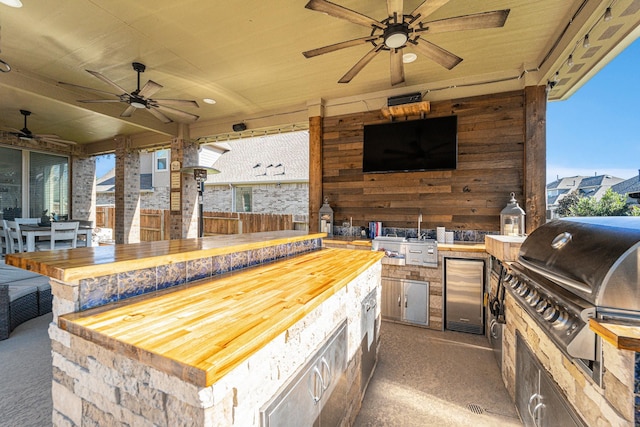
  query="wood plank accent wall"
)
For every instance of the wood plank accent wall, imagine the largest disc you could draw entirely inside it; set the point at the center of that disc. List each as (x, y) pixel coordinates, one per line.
(491, 138)
(535, 190)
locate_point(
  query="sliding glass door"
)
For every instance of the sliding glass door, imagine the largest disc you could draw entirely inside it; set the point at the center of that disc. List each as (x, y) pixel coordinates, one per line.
(10, 183)
(33, 184)
(48, 186)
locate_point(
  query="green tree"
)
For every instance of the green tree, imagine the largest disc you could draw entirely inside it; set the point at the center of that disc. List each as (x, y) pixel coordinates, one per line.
(611, 204)
(566, 203)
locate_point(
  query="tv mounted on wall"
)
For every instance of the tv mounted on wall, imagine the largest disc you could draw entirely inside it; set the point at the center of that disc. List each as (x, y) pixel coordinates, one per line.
(416, 145)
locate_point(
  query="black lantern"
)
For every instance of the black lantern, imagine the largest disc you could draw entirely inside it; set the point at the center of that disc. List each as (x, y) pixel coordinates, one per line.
(200, 175)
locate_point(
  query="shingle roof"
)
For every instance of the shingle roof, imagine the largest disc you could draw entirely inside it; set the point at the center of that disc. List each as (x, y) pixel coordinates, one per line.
(265, 159)
(631, 185)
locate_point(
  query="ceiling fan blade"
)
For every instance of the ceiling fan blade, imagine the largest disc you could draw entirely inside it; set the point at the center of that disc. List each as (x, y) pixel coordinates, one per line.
(337, 11)
(360, 64)
(397, 67)
(149, 89)
(107, 81)
(426, 8)
(337, 46)
(178, 113)
(477, 21)
(128, 111)
(158, 115)
(437, 54)
(88, 88)
(99, 100)
(176, 102)
(394, 8)
(56, 140)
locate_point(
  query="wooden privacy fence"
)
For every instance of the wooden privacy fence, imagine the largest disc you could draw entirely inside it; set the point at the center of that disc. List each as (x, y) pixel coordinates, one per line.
(155, 223)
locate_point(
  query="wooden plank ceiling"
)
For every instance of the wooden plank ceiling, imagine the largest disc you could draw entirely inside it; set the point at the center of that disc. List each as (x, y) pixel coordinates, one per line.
(248, 57)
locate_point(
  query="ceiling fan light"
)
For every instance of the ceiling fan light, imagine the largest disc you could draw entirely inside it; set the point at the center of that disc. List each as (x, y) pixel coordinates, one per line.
(408, 58)
(12, 3)
(395, 36)
(138, 104)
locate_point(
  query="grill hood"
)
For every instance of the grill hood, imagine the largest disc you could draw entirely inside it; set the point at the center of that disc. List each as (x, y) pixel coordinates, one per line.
(594, 258)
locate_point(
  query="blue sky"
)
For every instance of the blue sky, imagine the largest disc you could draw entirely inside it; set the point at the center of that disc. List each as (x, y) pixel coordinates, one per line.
(596, 130)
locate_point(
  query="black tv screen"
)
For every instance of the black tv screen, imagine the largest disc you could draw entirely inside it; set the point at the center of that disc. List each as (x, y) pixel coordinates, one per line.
(416, 145)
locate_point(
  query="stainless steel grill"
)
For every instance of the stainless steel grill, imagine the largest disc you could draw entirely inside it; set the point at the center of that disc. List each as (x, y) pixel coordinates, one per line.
(574, 269)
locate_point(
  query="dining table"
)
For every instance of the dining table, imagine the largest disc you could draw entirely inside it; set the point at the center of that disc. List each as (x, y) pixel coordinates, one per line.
(32, 231)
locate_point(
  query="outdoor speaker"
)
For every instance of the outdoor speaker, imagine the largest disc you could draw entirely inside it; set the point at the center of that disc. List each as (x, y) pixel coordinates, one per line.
(239, 127)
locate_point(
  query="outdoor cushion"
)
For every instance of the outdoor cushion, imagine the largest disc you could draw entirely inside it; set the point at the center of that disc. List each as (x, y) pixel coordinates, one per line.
(10, 274)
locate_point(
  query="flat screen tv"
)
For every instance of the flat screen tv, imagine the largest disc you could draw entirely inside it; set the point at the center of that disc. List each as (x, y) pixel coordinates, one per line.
(416, 145)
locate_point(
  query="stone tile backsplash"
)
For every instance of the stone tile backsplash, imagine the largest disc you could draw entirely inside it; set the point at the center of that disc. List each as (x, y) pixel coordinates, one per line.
(102, 290)
(458, 235)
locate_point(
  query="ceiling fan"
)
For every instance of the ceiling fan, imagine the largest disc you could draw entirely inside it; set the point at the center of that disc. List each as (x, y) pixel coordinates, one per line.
(400, 30)
(26, 135)
(141, 98)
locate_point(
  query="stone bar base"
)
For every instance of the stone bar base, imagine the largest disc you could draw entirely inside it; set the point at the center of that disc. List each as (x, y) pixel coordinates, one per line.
(93, 386)
(613, 404)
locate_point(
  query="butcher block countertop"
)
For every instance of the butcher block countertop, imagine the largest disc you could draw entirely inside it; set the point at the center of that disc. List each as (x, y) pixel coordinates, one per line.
(505, 248)
(82, 263)
(200, 332)
(621, 336)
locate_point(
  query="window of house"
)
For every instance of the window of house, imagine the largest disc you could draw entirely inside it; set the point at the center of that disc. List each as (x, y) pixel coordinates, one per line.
(162, 160)
(242, 199)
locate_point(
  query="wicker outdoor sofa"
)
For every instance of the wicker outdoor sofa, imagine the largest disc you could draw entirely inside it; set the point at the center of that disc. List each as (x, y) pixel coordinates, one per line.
(23, 296)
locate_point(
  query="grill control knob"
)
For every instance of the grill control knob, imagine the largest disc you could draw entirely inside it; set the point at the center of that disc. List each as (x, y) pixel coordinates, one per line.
(515, 283)
(562, 321)
(524, 291)
(542, 306)
(551, 314)
(533, 298)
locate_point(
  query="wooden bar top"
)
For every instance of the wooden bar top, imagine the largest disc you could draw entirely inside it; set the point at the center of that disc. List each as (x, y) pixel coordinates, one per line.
(622, 337)
(200, 332)
(81, 263)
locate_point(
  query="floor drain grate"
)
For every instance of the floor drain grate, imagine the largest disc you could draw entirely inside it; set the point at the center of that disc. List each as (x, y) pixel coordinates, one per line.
(476, 409)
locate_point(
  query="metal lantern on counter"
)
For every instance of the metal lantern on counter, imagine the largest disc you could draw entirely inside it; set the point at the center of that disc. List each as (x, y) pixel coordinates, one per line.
(512, 218)
(326, 218)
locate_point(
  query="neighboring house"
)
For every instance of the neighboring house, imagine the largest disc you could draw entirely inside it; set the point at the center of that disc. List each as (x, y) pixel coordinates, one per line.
(266, 174)
(583, 186)
(629, 187)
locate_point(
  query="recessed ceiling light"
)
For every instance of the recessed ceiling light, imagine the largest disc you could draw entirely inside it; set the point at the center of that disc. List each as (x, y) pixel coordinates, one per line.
(12, 3)
(209, 101)
(409, 57)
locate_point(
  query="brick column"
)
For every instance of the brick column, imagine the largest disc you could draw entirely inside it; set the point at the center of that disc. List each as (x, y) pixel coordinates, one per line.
(184, 223)
(83, 188)
(127, 195)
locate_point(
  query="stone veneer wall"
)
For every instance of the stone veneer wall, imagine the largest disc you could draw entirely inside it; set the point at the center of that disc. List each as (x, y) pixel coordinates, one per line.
(617, 403)
(94, 386)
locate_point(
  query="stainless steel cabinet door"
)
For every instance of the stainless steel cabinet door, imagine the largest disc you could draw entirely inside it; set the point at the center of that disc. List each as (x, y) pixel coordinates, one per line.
(464, 287)
(416, 301)
(391, 299)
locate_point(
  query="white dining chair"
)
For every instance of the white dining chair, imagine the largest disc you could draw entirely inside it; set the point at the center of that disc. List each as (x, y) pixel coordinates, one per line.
(4, 237)
(64, 235)
(15, 243)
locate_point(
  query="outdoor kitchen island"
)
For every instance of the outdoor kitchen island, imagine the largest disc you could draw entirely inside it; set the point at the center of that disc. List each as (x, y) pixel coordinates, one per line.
(231, 348)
